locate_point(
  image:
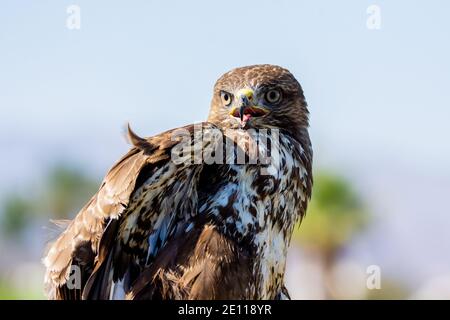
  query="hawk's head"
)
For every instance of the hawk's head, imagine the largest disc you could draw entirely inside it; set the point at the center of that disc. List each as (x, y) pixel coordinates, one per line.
(259, 96)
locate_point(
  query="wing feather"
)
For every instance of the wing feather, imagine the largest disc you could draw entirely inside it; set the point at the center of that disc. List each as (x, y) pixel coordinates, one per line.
(110, 202)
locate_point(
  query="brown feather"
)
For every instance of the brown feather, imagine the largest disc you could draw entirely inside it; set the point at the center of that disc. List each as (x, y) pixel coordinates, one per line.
(163, 230)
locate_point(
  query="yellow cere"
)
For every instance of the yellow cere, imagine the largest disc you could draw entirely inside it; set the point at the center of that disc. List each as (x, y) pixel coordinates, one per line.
(246, 92)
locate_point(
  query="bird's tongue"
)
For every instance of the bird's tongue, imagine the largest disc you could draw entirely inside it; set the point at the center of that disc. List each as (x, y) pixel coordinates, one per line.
(246, 117)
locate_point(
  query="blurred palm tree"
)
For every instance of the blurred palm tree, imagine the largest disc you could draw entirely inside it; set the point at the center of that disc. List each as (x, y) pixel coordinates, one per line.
(335, 214)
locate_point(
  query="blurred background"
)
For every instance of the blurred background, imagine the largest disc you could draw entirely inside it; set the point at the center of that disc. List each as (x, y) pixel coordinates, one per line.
(376, 75)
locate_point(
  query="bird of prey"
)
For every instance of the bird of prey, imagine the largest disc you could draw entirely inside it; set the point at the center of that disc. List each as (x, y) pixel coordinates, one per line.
(164, 226)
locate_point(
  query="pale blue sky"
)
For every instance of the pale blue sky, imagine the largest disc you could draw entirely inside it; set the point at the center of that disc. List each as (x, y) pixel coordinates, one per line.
(371, 93)
(379, 100)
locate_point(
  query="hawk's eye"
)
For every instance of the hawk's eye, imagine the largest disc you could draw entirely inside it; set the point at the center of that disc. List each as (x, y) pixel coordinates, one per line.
(226, 98)
(273, 96)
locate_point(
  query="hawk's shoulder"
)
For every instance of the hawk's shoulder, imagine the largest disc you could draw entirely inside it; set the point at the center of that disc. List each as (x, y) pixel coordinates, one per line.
(78, 243)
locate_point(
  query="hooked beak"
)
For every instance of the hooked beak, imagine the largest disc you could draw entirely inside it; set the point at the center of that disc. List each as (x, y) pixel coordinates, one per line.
(241, 112)
(246, 109)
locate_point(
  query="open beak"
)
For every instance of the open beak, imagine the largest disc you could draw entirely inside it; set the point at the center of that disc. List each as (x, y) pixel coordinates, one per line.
(245, 113)
(245, 109)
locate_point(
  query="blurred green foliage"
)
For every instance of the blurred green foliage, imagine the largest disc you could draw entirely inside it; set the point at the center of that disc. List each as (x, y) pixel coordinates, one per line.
(61, 194)
(335, 214)
(17, 212)
(65, 190)
(9, 292)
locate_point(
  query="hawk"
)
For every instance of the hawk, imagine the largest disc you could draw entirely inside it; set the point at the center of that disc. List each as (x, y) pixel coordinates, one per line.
(164, 225)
